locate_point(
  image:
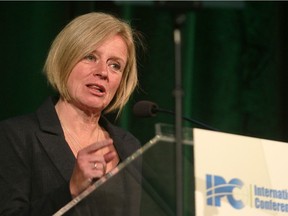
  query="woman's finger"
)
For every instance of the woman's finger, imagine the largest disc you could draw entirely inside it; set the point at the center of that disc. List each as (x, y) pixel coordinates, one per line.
(109, 156)
(96, 146)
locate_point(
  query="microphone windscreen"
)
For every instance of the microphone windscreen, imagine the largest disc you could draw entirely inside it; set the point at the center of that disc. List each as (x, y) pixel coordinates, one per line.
(145, 109)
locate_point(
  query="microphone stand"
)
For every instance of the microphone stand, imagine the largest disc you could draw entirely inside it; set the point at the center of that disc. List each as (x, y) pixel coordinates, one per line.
(178, 93)
(193, 121)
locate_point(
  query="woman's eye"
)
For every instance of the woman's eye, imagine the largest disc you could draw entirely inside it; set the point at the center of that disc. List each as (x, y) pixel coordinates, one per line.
(115, 66)
(90, 57)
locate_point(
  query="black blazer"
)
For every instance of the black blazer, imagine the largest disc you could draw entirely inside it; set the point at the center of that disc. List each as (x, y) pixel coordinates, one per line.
(36, 164)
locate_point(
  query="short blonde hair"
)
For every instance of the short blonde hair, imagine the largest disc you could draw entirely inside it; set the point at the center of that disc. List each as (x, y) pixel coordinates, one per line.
(77, 40)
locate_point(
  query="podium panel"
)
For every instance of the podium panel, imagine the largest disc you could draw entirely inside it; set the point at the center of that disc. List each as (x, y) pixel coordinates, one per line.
(142, 185)
(239, 175)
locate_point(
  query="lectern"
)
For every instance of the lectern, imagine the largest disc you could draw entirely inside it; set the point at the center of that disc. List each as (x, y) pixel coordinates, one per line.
(149, 179)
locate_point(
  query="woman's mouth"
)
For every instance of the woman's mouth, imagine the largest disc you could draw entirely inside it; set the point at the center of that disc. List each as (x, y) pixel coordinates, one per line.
(97, 88)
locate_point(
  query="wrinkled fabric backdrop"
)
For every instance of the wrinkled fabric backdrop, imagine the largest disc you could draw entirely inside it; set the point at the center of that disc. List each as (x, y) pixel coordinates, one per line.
(233, 61)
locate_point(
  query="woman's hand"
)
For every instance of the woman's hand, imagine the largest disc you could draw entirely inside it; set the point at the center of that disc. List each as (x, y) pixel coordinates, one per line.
(90, 166)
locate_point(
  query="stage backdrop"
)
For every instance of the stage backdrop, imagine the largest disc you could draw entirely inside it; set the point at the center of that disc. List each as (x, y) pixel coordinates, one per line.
(234, 61)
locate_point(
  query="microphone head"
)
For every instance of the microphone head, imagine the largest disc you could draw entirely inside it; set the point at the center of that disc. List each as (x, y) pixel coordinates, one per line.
(145, 109)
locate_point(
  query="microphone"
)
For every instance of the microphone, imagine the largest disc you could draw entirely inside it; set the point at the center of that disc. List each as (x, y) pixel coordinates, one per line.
(146, 108)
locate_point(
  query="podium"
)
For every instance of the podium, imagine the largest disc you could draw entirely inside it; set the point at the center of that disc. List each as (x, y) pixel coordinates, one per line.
(224, 174)
(143, 184)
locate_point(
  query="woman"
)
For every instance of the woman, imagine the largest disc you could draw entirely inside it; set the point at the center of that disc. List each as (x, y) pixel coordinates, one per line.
(51, 156)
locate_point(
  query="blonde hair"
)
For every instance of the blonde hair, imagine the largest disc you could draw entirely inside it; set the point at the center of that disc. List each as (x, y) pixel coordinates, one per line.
(77, 40)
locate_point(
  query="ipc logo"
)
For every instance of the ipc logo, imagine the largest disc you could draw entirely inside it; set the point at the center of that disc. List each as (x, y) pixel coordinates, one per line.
(217, 189)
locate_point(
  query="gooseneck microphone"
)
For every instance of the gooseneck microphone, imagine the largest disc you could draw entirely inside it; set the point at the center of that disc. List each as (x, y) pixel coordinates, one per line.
(146, 108)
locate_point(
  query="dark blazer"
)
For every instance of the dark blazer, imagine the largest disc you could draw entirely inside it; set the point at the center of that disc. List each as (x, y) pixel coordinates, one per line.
(36, 164)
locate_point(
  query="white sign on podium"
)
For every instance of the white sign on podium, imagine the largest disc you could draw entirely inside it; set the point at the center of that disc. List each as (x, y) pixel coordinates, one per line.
(238, 175)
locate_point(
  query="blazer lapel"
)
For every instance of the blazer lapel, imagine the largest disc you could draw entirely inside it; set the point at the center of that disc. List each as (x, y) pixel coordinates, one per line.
(59, 153)
(51, 137)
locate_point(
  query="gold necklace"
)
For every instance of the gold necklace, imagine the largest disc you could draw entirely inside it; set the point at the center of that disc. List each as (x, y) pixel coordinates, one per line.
(74, 143)
(76, 146)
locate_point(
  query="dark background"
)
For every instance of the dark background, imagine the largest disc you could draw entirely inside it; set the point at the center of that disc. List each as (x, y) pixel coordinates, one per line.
(234, 61)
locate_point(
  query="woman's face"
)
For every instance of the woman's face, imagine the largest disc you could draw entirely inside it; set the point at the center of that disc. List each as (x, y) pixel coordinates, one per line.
(95, 79)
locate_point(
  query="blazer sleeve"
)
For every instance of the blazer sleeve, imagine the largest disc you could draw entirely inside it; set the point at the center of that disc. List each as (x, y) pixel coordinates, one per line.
(16, 173)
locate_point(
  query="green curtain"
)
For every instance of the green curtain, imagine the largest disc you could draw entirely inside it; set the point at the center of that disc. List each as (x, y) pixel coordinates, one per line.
(233, 61)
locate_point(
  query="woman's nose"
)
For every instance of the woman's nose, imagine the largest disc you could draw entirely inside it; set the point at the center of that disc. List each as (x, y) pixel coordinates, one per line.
(101, 70)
